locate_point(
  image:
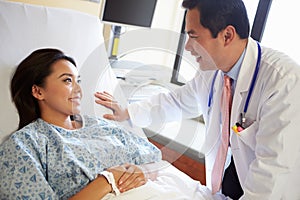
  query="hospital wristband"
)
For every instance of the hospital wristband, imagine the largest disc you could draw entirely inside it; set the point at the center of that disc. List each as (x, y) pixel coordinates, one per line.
(111, 180)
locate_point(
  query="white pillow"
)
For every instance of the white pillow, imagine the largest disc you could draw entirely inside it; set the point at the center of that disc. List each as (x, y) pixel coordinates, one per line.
(25, 28)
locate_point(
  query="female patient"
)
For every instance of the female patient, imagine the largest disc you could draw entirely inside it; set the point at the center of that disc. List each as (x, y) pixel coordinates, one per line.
(57, 153)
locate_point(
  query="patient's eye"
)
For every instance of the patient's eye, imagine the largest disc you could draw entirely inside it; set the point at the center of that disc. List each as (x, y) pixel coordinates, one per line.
(68, 80)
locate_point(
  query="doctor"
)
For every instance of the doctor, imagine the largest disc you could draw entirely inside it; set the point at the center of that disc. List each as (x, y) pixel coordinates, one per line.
(264, 150)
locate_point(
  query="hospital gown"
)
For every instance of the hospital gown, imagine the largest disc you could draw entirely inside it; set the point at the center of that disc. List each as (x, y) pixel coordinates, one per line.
(43, 161)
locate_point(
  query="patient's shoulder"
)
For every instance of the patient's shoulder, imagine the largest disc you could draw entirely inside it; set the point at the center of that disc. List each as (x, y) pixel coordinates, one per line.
(30, 137)
(27, 131)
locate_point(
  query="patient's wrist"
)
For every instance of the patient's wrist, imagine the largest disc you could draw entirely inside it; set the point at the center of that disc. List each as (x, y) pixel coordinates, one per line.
(111, 180)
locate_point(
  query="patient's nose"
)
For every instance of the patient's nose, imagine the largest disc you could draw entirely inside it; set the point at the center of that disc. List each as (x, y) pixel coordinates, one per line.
(77, 87)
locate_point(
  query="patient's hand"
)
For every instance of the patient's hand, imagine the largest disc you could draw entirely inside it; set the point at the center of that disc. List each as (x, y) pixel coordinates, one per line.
(128, 176)
(105, 99)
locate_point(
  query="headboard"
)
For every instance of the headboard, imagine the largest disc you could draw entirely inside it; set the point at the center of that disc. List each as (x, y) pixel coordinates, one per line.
(26, 27)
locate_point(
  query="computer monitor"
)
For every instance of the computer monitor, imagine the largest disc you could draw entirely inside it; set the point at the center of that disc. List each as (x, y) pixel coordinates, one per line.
(128, 12)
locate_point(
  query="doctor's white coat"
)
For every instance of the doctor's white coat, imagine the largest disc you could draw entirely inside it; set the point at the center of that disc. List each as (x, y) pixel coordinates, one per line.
(267, 152)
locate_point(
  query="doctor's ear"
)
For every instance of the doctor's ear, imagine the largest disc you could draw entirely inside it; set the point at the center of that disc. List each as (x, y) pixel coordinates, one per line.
(37, 93)
(228, 34)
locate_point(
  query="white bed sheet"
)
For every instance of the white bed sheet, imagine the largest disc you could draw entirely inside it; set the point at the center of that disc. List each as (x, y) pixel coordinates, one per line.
(171, 184)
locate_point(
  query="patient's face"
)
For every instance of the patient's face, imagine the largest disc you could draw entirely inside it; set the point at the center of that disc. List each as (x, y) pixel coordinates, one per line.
(61, 94)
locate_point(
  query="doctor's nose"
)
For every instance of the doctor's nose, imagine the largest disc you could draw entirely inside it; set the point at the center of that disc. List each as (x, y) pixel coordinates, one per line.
(188, 45)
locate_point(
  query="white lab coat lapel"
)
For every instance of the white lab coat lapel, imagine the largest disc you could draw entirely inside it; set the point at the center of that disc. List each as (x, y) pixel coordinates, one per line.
(213, 128)
(212, 139)
(244, 81)
(212, 134)
(241, 92)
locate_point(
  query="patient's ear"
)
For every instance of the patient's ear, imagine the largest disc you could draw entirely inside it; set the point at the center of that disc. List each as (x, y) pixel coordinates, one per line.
(37, 93)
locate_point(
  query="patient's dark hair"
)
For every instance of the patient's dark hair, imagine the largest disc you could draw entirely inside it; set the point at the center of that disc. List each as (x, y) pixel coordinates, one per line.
(32, 71)
(216, 15)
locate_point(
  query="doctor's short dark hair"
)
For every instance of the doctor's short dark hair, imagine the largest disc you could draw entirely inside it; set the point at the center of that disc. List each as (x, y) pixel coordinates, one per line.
(33, 70)
(216, 15)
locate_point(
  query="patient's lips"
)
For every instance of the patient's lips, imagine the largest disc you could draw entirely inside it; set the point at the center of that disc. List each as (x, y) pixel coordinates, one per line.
(76, 100)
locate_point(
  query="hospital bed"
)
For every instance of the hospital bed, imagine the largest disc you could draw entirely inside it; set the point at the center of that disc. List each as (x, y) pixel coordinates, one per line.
(26, 27)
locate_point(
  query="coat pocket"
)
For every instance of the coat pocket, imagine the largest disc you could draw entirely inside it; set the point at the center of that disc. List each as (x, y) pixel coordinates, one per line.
(248, 135)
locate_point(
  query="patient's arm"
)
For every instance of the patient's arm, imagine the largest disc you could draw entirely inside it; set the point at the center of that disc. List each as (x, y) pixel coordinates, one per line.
(126, 176)
(97, 189)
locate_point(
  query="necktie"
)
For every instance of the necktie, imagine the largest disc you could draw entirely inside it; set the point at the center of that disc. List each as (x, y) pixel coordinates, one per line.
(218, 168)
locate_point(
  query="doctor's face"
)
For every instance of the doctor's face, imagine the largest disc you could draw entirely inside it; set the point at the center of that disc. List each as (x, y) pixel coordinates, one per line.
(200, 42)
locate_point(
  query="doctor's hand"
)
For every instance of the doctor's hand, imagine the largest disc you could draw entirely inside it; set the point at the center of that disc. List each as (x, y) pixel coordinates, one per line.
(128, 176)
(105, 99)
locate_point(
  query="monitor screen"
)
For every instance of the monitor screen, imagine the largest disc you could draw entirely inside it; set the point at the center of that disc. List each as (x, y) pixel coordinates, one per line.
(129, 12)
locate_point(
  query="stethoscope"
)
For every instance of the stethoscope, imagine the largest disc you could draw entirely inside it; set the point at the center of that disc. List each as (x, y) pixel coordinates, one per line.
(254, 77)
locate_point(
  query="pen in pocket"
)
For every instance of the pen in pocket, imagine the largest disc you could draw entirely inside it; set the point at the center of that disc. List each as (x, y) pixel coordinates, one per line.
(237, 128)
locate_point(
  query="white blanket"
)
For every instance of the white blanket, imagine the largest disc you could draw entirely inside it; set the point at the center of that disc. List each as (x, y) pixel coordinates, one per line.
(171, 184)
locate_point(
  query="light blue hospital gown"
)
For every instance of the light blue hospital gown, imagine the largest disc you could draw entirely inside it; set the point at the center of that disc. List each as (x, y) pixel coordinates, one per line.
(43, 161)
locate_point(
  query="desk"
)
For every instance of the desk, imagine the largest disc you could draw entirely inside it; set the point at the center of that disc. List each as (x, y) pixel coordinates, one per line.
(180, 142)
